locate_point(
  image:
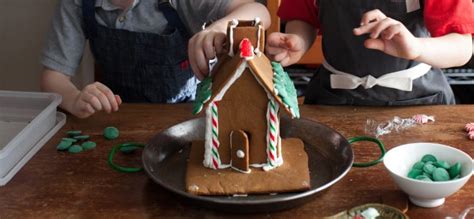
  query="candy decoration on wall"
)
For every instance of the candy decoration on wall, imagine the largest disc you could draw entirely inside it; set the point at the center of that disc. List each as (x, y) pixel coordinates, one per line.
(216, 161)
(274, 159)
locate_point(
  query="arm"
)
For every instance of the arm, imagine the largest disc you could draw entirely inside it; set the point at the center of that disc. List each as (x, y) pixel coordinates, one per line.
(392, 37)
(94, 97)
(288, 48)
(206, 44)
(446, 51)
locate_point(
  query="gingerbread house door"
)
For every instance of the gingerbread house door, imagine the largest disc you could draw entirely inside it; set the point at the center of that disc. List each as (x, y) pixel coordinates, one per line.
(239, 149)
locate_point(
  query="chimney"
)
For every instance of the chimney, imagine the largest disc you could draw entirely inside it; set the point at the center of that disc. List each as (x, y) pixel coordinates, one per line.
(252, 30)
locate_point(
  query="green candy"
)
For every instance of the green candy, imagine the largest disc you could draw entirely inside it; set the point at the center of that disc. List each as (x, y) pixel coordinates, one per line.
(81, 137)
(440, 174)
(429, 168)
(455, 170)
(111, 133)
(428, 175)
(418, 165)
(414, 173)
(88, 145)
(73, 133)
(75, 149)
(63, 145)
(70, 139)
(442, 164)
(428, 157)
(423, 178)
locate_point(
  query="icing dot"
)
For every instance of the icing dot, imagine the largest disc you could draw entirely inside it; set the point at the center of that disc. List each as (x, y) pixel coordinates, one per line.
(240, 154)
(193, 188)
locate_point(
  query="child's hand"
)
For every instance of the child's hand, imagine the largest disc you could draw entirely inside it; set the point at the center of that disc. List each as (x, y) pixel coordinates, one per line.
(388, 35)
(95, 97)
(204, 46)
(285, 48)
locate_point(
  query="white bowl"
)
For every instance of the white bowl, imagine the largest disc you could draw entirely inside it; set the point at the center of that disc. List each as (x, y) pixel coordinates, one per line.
(400, 160)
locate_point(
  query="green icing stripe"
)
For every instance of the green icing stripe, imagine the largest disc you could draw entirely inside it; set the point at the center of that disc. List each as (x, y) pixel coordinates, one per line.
(271, 146)
(272, 127)
(214, 111)
(215, 153)
(214, 132)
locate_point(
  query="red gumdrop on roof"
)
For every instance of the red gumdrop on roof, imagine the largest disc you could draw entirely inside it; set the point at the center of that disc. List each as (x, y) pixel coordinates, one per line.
(246, 49)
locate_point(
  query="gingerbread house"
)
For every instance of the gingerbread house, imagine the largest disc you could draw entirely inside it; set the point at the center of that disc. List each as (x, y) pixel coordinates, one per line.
(242, 99)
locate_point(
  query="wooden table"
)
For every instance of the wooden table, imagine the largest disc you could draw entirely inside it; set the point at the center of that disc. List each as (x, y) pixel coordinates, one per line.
(59, 184)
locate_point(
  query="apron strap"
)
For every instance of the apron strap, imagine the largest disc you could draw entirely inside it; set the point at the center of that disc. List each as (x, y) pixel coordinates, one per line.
(171, 15)
(88, 13)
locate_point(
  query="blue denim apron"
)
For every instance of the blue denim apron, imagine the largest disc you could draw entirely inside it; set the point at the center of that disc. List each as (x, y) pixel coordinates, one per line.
(346, 52)
(143, 67)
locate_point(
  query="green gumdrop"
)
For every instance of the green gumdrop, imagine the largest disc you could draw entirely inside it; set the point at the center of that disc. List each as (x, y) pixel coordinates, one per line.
(88, 145)
(75, 149)
(63, 145)
(428, 175)
(111, 133)
(423, 178)
(81, 137)
(73, 133)
(442, 164)
(440, 174)
(428, 157)
(418, 165)
(414, 173)
(455, 170)
(70, 139)
(429, 168)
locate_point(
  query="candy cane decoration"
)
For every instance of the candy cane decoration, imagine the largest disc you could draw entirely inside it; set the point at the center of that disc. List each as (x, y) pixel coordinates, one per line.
(422, 118)
(273, 133)
(216, 161)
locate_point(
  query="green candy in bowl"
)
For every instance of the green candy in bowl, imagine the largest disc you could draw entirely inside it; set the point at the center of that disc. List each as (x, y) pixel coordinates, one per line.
(428, 172)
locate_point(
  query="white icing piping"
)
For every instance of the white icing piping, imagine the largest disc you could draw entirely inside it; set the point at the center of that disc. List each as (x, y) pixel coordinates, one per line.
(239, 170)
(207, 162)
(233, 25)
(257, 49)
(237, 74)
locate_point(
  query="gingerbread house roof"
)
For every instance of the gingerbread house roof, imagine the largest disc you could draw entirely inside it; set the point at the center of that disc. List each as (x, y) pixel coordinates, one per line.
(270, 75)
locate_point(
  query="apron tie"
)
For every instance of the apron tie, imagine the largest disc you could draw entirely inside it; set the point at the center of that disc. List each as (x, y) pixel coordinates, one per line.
(401, 80)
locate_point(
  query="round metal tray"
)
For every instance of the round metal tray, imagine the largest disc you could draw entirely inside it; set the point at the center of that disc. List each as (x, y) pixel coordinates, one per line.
(330, 158)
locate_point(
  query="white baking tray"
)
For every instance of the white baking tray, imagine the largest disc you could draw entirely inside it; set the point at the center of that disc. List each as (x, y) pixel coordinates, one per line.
(60, 121)
(26, 118)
